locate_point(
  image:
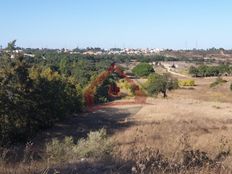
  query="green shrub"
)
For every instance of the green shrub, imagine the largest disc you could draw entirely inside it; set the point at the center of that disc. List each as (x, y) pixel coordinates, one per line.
(124, 84)
(102, 90)
(60, 151)
(143, 69)
(186, 83)
(96, 145)
(218, 81)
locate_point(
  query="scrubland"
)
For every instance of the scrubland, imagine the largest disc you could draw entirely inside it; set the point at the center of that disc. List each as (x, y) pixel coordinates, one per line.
(188, 132)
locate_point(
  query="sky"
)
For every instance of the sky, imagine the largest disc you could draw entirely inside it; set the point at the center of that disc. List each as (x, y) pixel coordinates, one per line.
(173, 24)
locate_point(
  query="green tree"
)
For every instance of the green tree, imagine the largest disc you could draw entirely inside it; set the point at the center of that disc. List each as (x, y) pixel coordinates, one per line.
(11, 45)
(160, 84)
(15, 106)
(30, 102)
(143, 69)
(102, 95)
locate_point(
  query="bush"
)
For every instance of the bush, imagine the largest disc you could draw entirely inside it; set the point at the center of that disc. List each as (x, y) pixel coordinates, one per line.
(143, 69)
(231, 86)
(96, 145)
(60, 151)
(101, 94)
(124, 84)
(186, 83)
(191, 161)
(218, 81)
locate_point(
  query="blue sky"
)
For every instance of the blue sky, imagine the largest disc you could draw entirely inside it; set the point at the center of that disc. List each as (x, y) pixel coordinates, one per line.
(173, 24)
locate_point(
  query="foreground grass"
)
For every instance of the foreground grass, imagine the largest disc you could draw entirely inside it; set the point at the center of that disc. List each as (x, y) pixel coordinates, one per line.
(99, 154)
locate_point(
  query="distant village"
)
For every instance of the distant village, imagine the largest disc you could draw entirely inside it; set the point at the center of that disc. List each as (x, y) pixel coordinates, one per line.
(123, 51)
(220, 54)
(87, 51)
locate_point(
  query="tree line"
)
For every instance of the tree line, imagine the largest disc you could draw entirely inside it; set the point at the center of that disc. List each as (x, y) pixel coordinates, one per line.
(210, 71)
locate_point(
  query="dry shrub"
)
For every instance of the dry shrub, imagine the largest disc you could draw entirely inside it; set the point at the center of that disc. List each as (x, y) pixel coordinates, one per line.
(149, 162)
(8, 155)
(96, 145)
(59, 151)
(218, 81)
(186, 82)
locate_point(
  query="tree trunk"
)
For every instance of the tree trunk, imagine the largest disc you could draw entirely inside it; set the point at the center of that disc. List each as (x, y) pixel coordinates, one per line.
(164, 94)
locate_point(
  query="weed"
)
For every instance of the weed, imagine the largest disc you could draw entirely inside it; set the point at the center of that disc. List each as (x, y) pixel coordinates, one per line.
(218, 81)
(96, 145)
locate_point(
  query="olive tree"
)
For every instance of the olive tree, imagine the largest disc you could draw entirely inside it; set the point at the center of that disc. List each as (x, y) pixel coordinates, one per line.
(160, 84)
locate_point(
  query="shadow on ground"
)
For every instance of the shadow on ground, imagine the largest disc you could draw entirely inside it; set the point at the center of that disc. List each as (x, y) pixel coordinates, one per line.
(96, 167)
(112, 119)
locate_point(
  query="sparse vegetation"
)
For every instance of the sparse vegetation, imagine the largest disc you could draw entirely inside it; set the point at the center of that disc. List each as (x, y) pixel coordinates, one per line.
(65, 155)
(192, 161)
(218, 81)
(95, 146)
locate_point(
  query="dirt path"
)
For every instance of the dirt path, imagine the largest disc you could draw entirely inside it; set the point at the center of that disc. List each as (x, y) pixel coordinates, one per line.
(174, 73)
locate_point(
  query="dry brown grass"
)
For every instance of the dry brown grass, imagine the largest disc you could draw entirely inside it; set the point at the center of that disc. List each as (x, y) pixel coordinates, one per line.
(190, 119)
(202, 91)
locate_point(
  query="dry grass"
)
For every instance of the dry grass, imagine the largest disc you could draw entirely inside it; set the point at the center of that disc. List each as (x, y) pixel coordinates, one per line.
(202, 91)
(198, 119)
